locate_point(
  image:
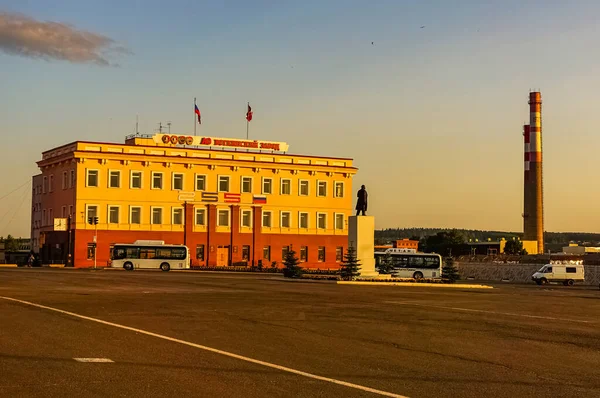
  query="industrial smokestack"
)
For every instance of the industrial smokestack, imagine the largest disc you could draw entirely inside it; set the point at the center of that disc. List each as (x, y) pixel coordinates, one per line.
(533, 204)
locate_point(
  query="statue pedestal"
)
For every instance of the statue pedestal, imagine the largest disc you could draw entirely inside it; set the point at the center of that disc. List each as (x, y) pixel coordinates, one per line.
(361, 236)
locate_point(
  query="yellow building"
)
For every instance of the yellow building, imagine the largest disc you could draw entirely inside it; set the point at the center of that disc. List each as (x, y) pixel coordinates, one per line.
(230, 201)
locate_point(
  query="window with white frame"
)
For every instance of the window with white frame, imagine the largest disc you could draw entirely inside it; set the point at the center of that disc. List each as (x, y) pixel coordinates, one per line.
(114, 179)
(303, 220)
(91, 178)
(113, 214)
(64, 212)
(157, 213)
(177, 217)
(321, 220)
(51, 183)
(246, 184)
(321, 254)
(322, 188)
(285, 219)
(157, 180)
(177, 182)
(200, 216)
(303, 188)
(286, 186)
(136, 180)
(65, 180)
(91, 211)
(267, 185)
(135, 215)
(224, 183)
(200, 182)
(267, 219)
(339, 221)
(246, 218)
(223, 218)
(339, 189)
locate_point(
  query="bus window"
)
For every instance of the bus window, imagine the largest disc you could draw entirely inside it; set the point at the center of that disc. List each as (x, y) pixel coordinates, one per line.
(416, 262)
(118, 253)
(147, 253)
(432, 262)
(163, 253)
(400, 261)
(178, 253)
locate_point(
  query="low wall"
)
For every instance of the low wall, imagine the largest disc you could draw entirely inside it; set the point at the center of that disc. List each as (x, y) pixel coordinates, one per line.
(519, 273)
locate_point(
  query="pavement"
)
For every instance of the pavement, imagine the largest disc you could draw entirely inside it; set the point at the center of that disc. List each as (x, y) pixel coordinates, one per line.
(254, 335)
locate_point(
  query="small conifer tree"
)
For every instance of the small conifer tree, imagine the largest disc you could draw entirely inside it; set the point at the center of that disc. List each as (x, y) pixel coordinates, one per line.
(449, 271)
(291, 264)
(350, 267)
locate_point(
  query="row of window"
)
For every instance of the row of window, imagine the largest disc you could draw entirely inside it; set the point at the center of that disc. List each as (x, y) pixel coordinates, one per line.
(223, 183)
(68, 181)
(302, 255)
(223, 217)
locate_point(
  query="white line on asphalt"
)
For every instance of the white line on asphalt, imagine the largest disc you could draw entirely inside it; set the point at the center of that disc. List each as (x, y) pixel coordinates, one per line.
(95, 360)
(214, 350)
(489, 312)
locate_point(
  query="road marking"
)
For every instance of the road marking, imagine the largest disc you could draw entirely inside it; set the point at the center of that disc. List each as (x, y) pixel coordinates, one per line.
(214, 350)
(95, 360)
(489, 312)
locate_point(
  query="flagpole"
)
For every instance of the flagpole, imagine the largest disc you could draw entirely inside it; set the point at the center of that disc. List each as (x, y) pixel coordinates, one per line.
(247, 121)
(195, 116)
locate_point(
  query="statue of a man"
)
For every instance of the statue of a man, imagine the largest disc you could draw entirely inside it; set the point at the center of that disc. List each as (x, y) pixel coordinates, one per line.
(361, 203)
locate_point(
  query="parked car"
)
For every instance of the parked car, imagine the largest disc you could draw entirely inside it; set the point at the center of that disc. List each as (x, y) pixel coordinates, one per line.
(566, 274)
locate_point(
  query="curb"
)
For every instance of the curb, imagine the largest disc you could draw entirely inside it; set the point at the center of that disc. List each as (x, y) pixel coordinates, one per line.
(441, 285)
(8, 265)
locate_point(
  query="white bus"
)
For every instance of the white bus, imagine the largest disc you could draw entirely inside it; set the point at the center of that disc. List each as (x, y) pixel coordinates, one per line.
(408, 263)
(150, 255)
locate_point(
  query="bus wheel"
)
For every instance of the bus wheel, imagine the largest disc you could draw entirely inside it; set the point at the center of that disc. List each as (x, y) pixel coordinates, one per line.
(165, 266)
(418, 275)
(570, 282)
(128, 266)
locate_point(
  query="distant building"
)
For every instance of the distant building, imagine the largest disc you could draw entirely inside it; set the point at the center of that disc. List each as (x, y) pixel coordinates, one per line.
(487, 248)
(574, 248)
(399, 244)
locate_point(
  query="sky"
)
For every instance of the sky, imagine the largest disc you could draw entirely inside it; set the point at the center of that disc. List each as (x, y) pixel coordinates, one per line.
(428, 97)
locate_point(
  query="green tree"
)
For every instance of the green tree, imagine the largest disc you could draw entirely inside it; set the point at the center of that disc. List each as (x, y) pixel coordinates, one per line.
(350, 267)
(11, 244)
(442, 242)
(514, 247)
(449, 271)
(386, 264)
(291, 264)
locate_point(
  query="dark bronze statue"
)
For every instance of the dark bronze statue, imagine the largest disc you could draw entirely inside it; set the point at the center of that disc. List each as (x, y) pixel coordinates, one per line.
(361, 203)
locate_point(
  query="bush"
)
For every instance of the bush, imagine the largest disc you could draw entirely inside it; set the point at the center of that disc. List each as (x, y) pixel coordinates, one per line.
(350, 267)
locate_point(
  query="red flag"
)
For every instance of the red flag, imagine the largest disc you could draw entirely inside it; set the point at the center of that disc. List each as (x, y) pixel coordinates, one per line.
(249, 113)
(198, 113)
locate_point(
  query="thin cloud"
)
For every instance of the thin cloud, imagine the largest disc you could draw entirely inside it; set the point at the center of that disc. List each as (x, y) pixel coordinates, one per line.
(24, 36)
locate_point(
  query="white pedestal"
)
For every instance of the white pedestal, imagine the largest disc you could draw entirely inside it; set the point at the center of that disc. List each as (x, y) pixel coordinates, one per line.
(361, 236)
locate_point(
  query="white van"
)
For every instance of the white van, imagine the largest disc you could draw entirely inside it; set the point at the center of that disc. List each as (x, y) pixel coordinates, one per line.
(568, 274)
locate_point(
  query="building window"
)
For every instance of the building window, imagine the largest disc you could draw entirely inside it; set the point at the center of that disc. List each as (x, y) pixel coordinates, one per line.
(114, 179)
(135, 215)
(177, 216)
(157, 215)
(157, 181)
(51, 184)
(246, 184)
(303, 220)
(92, 178)
(65, 180)
(246, 253)
(286, 187)
(50, 216)
(45, 184)
(91, 249)
(44, 221)
(136, 180)
(200, 252)
(267, 253)
(267, 219)
(200, 182)
(339, 189)
(247, 218)
(339, 254)
(113, 214)
(223, 218)
(64, 212)
(303, 188)
(285, 219)
(224, 183)
(303, 254)
(339, 221)
(321, 220)
(177, 182)
(267, 185)
(321, 254)
(200, 216)
(91, 211)
(73, 181)
(322, 188)
(284, 252)
(70, 210)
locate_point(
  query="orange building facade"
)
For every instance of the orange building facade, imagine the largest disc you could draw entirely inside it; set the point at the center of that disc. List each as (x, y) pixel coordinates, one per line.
(232, 202)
